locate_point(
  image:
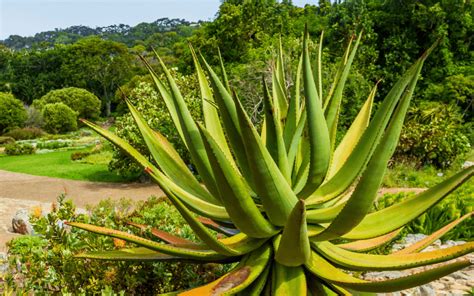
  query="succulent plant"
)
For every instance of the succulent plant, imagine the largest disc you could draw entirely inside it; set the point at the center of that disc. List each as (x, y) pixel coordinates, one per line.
(294, 205)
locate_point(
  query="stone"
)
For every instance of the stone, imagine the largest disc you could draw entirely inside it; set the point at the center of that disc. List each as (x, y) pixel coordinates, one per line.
(467, 164)
(427, 290)
(457, 286)
(458, 292)
(437, 285)
(21, 222)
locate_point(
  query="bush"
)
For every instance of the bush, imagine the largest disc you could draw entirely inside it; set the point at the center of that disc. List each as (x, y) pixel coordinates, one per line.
(52, 144)
(153, 109)
(85, 103)
(433, 134)
(4, 140)
(59, 118)
(79, 155)
(12, 112)
(48, 266)
(19, 149)
(26, 133)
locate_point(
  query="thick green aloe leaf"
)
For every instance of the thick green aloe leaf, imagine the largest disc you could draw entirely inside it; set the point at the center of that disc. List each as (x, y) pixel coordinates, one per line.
(398, 215)
(191, 133)
(278, 85)
(294, 111)
(243, 275)
(168, 159)
(320, 144)
(277, 197)
(319, 66)
(360, 202)
(294, 248)
(144, 254)
(338, 74)
(420, 245)
(353, 135)
(197, 254)
(274, 134)
(167, 98)
(364, 149)
(199, 206)
(328, 272)
(296, 140)
(324, 215)
(228, 113)
(223, 71)
(234, 194)
(371, 243)
(209, 110)
(288, 280)
(256, 288)
(361, 261)
(334, 104)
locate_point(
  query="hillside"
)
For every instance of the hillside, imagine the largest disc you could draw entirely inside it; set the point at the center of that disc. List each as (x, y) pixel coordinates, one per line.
(126, 34)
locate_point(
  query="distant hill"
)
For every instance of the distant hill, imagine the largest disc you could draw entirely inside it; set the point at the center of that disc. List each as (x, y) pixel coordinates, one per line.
(120, 33)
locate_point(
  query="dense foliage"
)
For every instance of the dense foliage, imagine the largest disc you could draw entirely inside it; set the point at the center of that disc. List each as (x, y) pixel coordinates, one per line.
(433, 134)
(12, 112)
(59, 118)
(85, 103)
(45, 263)
(19, 149)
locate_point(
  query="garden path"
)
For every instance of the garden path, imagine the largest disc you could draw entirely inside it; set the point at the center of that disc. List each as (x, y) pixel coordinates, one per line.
(20, 191)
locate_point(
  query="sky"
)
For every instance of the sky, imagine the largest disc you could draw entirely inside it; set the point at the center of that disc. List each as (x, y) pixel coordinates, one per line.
(28, 17)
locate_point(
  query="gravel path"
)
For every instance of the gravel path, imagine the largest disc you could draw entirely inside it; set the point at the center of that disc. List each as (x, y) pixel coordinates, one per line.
(19, 191)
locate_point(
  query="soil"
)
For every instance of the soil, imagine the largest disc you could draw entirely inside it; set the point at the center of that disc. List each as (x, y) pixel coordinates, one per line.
(22, 191)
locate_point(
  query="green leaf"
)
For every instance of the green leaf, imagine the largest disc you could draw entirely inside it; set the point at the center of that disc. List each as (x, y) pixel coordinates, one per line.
(294, 248)
(288, 280)
(320, 145)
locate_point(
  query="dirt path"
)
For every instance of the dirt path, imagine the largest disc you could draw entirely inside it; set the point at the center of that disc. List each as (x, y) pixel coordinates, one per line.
(21, 191)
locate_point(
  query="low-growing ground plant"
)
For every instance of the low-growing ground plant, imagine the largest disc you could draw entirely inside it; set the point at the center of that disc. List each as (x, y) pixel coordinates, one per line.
(19, 149)
(26, 133)
(44, 264)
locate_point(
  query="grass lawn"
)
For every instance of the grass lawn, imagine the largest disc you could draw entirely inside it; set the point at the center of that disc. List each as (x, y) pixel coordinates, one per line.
(59, 165)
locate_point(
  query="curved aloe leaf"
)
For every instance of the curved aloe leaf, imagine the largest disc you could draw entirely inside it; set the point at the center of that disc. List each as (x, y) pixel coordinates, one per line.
(420, 245)
(320, 144)
(248, 269)
(396, 216)
(288, 280)
(361, 261)
(294, 248)
(371, 243)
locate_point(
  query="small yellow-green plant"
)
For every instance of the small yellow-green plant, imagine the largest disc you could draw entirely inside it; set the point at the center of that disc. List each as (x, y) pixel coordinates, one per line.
(293, 204)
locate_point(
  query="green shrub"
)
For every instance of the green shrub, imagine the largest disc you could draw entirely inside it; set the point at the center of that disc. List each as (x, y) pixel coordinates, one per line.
(46, 263)
(433, 134)
(4, 140)
(26, 133)
(19, 149)
(59, 118)
(459, 203)
(152, 107)
(79, 155)
(85, 103)
(12, 112)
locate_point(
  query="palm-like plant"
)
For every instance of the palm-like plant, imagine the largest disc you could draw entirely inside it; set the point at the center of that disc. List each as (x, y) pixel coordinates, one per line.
(294, 205)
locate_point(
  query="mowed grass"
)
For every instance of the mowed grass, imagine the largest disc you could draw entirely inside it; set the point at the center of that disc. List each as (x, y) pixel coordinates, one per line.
(59, 165)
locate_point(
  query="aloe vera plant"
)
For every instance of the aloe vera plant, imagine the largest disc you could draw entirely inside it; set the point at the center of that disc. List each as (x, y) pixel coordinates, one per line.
(294, 206)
